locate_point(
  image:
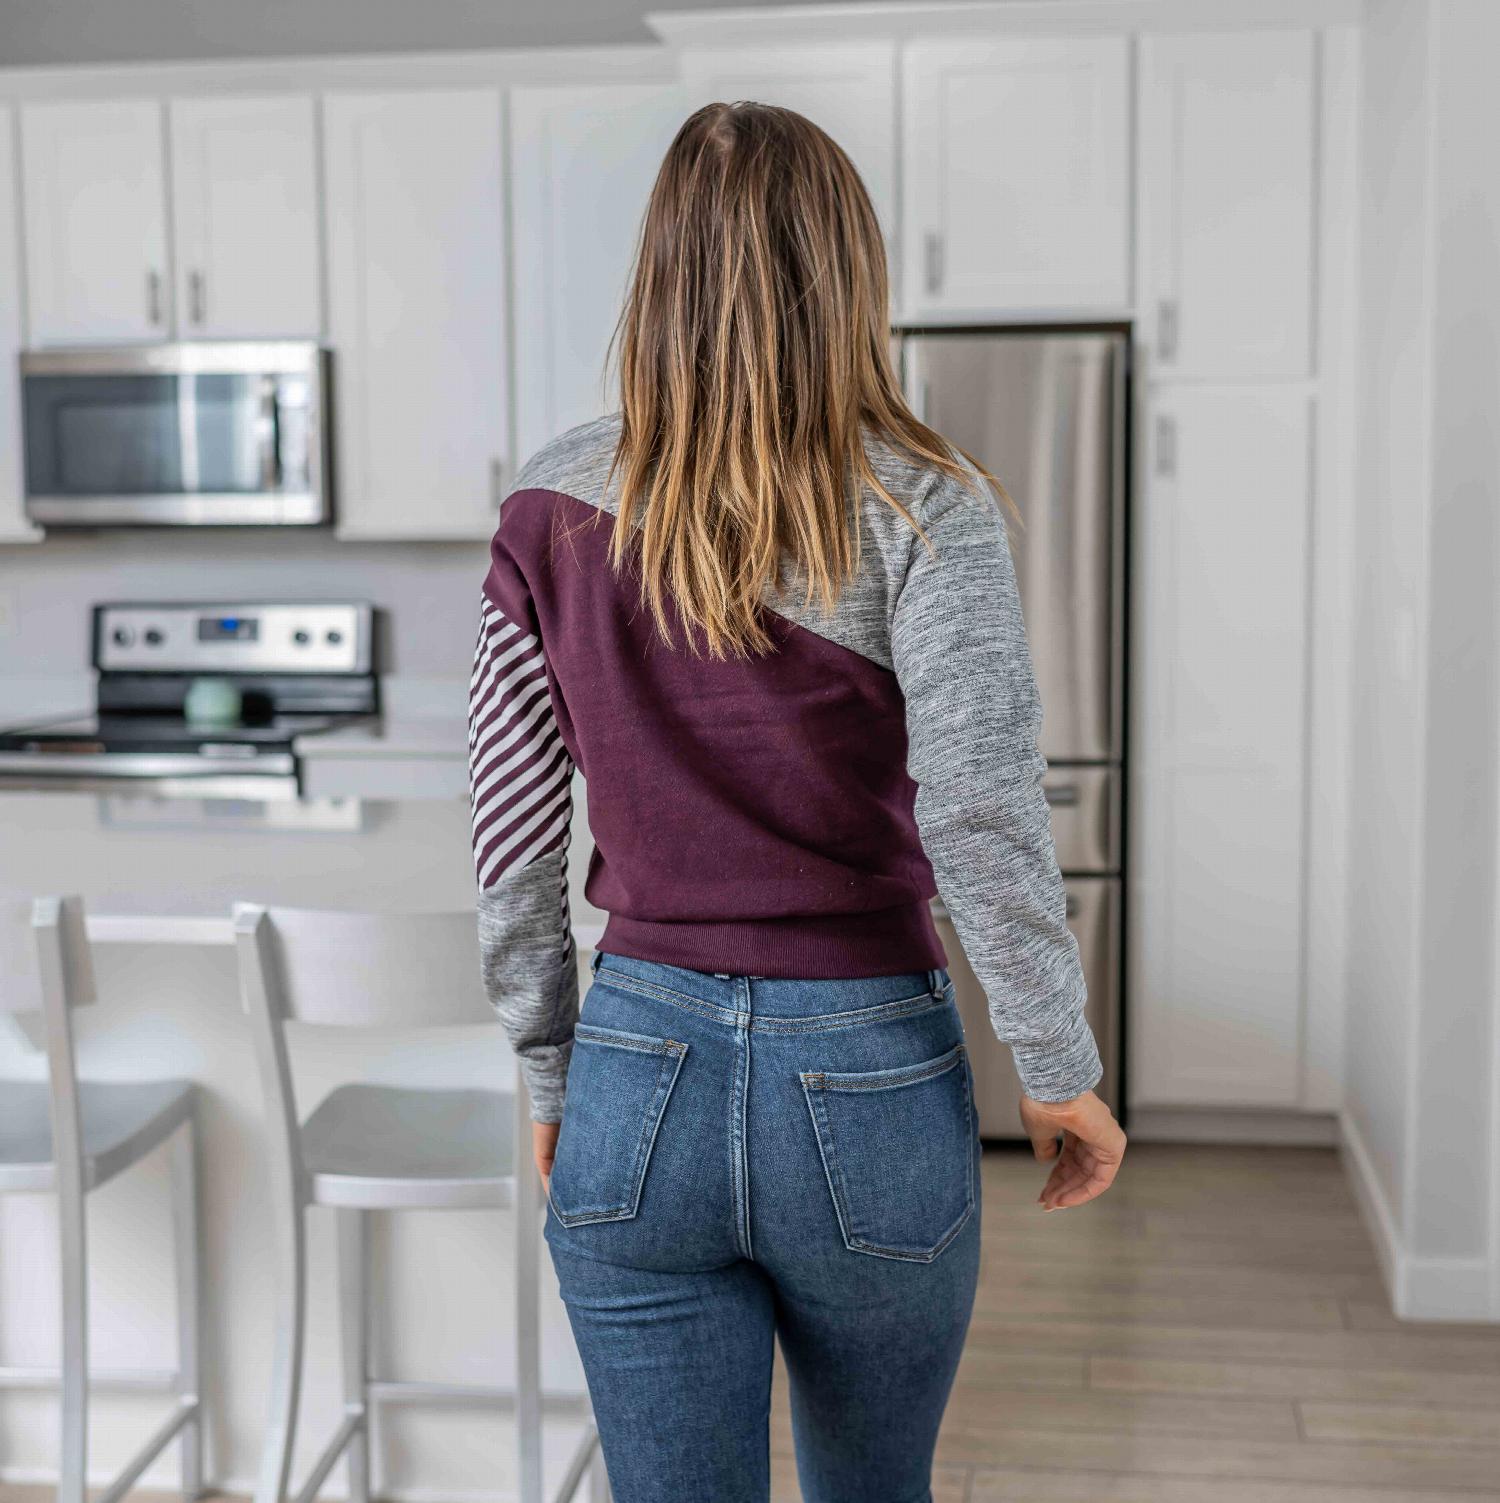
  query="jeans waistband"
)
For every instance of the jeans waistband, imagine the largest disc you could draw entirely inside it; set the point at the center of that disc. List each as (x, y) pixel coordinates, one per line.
(769, 997)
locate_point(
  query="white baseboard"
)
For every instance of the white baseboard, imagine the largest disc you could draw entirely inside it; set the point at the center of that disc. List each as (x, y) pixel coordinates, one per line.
(1163, 1124)
(1420, 1288)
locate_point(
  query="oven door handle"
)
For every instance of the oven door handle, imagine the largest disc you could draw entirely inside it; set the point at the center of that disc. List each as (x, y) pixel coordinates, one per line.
(44, 766)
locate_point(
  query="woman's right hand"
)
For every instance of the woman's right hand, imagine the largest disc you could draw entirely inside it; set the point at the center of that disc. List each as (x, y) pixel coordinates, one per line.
(1092, 1147)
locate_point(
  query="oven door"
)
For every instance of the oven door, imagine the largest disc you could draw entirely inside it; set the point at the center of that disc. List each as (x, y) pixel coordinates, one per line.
(176, 435)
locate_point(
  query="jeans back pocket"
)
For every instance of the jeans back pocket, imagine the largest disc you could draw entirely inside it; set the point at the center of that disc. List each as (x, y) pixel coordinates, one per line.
(617, 1090)
(898, 1153)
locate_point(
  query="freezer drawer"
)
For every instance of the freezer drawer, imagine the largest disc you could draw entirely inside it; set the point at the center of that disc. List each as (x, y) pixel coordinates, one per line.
(1085, 804)
(1094, 918)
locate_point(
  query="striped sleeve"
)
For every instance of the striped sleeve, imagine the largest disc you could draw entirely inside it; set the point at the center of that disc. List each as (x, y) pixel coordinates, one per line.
(521, 800)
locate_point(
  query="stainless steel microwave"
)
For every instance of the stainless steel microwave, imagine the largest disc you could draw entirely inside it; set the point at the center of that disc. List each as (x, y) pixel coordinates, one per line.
(195, 435)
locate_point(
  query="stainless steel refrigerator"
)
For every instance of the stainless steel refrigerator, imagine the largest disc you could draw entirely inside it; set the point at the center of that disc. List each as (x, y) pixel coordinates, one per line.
(1045, 410)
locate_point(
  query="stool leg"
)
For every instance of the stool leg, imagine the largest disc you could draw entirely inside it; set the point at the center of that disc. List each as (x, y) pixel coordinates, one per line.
(186, 1233)
(353, 1322)
(528, 1236)
(73, 1460)
(599, 1490)
(286, 1363)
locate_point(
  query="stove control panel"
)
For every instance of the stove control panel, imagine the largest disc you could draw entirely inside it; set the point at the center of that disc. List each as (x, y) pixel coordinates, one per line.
(208, 638)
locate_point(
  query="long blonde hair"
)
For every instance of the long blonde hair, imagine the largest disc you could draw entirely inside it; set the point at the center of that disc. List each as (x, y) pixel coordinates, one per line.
(754, 352)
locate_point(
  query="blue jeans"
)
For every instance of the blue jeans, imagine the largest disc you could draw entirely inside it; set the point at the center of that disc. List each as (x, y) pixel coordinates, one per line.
(743, 1159)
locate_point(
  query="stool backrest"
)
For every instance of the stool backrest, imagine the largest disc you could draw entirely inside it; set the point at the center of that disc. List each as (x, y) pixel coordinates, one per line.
(371, 970)
(346, 970)
(44, 953)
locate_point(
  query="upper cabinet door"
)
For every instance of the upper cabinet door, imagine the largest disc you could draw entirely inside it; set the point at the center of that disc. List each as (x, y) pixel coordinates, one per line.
(94, 180)
(850, 91)
(1017, 177)
(416, 272)
(1226, 170)
(582, 164)
(245, 213)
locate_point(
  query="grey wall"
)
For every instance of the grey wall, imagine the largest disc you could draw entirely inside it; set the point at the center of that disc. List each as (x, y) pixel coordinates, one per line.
(1423, 1076)
(96, 31)
(431, 591)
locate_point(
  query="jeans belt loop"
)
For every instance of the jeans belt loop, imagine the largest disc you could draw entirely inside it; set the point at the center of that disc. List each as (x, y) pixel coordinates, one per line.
(935, 983)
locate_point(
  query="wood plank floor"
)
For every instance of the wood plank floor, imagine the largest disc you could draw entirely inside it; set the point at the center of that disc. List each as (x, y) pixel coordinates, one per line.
(1213, 1331)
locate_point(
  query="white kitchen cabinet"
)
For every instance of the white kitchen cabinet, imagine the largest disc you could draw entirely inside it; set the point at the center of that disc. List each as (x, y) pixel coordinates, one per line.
(14, 527)
(1017, 177)
(245, 218)
(416, 305)
(582, 164)
(1218, 732)
(94, 184)
(848, 90)
(1227, 160)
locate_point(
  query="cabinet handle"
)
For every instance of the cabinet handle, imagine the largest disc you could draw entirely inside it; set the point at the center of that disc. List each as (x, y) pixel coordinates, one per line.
(153, 297)
(1166, 330)
(1166, 446)
(932, 260)
(195, 297)
(497, 483)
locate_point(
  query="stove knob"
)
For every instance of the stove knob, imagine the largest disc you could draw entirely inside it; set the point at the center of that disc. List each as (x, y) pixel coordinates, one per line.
(122, 636)
(153, 637)
(301, 638)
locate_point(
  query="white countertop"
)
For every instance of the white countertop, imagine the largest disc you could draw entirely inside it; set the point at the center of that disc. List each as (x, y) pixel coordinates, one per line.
(386, 736)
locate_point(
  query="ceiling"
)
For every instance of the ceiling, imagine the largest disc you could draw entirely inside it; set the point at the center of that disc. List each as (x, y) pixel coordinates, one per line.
(42, 32)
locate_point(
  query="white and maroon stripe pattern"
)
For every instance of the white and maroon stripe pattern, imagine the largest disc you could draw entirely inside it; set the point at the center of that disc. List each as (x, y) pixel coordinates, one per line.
(520, 773)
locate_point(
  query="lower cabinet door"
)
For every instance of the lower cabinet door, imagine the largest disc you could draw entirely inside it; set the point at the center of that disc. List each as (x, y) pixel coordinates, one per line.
(1216, 824)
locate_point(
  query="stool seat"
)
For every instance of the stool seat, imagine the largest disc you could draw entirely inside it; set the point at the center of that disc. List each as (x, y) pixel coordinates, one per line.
(394, 1147)
(121, 1122)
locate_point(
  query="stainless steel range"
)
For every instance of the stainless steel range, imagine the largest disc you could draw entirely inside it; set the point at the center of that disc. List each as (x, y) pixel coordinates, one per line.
(208, 700)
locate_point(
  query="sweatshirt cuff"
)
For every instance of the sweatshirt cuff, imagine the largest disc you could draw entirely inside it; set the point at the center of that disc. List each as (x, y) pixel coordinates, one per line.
(545, 1069)
(1060, 1068)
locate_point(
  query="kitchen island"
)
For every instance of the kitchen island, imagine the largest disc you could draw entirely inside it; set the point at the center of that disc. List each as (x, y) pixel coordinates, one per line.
(158, 877)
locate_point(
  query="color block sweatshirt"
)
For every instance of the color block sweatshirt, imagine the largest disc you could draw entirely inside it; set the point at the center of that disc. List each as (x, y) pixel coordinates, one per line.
(787, 815)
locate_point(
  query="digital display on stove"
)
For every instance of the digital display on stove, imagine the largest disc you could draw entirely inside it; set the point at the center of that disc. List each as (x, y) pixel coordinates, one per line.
(228, 629)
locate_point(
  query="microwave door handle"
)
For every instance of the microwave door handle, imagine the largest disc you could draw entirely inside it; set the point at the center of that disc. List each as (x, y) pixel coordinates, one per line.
(269, 427)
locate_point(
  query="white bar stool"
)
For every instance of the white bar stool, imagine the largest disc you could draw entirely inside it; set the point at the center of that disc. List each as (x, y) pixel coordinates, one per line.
(385, 1148)
(66, 1137)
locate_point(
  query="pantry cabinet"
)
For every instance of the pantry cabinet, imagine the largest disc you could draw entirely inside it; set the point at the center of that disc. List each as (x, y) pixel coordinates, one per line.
(1228, 150)
(848, 90)
(1218, 748)
(582, 164)
(94, 181)
(416, 273)
(13, 525)
(245, 218)
(1016, 177)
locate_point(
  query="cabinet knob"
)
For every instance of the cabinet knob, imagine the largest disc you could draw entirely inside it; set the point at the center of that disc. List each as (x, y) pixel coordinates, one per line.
(1166, 330)
(1166, 446)
(932, 260)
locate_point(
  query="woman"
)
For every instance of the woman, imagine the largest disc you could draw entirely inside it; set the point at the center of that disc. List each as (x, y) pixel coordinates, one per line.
(773, 620)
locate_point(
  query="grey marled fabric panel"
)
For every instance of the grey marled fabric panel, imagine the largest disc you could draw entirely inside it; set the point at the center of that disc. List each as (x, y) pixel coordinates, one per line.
(948, 623)
(973, 715)
(530, 968)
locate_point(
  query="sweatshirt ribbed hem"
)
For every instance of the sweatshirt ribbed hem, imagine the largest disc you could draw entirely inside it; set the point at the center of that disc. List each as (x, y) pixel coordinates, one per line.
(827, 947)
